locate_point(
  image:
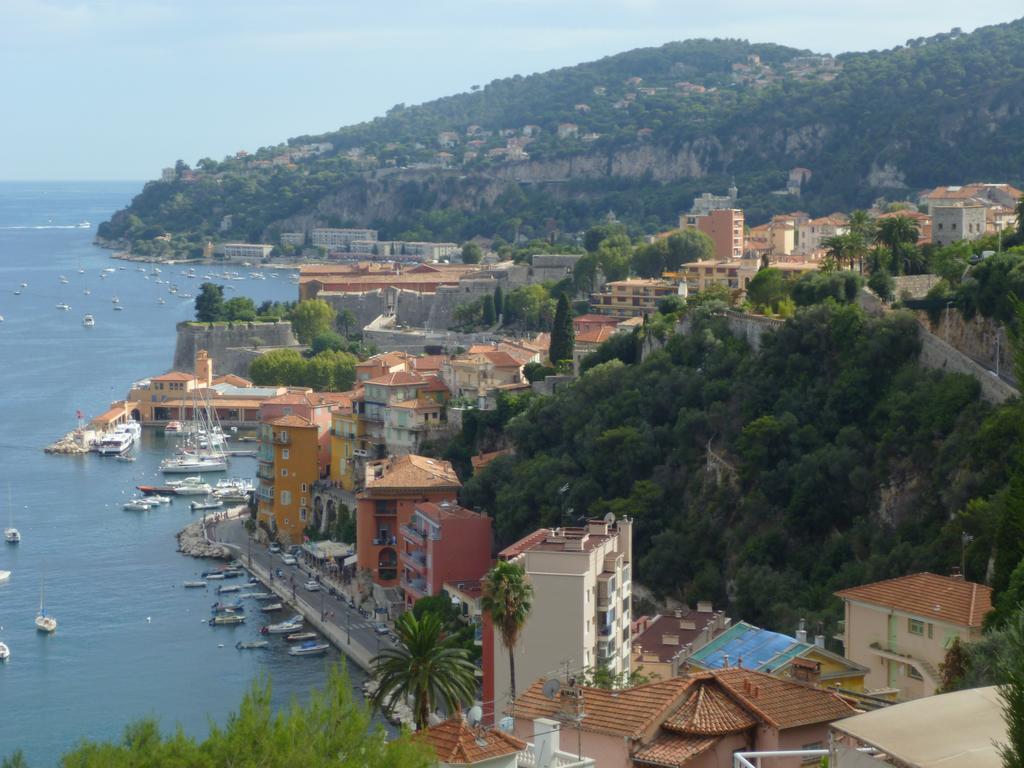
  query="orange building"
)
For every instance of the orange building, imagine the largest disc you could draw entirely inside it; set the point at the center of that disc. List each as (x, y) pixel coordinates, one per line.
(392, 489)
(288, 452)
(724, 227)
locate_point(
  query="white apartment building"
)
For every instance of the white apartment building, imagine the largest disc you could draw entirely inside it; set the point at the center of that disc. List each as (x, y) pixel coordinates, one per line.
(258, 251)
(957, 222)
(338, 239)
(582, 599)
(293, 238)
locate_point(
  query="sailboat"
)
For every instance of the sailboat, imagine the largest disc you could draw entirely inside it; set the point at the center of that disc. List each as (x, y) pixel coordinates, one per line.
(11, 534)
(44, 623)
(199, 454)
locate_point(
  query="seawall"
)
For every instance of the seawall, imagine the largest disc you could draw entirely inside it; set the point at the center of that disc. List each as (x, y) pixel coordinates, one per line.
(232, 346)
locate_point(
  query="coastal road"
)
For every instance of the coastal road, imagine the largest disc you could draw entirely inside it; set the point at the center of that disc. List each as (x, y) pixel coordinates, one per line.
(346, 627)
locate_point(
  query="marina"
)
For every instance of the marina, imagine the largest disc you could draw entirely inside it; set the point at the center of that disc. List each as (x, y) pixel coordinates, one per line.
(142, 630)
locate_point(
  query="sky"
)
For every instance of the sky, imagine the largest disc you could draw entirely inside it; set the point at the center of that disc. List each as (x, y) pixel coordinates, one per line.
(118, 89)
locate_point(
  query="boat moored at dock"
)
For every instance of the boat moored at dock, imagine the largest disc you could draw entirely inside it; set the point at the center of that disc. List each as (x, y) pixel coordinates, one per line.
(309, 648)
(227, 619)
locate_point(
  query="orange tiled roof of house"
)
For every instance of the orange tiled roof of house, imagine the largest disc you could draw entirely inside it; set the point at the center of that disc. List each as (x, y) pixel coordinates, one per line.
(671, 750)
(397, 379)
(501, 359)
(630, 712)
(412, 471)
(174, 376)
(595, 335)
(709, 712)
(948, 598)
(428, 363)
(230, 378)
(782, 703)
(291, 420)
(481, 460)
(456, 742)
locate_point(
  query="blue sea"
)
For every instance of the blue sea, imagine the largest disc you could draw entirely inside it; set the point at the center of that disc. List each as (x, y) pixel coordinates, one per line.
(131, 642)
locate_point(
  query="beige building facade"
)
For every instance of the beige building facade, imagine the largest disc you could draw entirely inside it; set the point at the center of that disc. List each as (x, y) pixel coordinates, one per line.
(900, 629)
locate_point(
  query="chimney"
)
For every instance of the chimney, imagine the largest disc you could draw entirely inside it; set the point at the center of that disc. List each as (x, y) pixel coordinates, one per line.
(955, 573)
(704, 606)
(679, 613)
(545, 741)
(801, 632)
(819, 641)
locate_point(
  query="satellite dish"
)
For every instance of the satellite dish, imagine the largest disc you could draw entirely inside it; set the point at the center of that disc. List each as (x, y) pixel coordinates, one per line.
(507, 724)
(610, 518)
(475, 714)
(552, 687)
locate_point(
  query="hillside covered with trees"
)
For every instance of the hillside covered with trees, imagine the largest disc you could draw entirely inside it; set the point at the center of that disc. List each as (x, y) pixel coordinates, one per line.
(639, 133)
(766, 481)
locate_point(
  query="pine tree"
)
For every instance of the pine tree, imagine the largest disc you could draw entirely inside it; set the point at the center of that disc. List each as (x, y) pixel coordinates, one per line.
(563, 338)
(489, 315)
(499, 302)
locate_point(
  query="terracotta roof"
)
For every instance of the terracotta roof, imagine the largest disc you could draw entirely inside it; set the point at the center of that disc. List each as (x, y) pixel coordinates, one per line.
(781, 703)
(429, 362)
(945, 598)
(630, 712)
(230, 378)
(501, 359)
(397, 379)
(385, 358)
(676, 628)
(524, 544)
(417, 404)
(601, 319)
(434, 384)
(174, 376)
(671, 751)
(447, 511)
(413, 471)
(456, 742)
(481, 460)
(595, 335)
(710, 712)
(291, 421)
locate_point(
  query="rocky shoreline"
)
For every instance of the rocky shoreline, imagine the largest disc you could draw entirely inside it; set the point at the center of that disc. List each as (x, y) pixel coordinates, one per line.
(192, 542)
(67, 446)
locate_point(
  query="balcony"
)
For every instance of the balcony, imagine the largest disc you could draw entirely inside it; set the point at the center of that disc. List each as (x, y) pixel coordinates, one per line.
(265, 472)
(605, 631)
(282, 438)
(385, 541)
(528, 759)
(265, 492)
(416, 587)
(415, 560)
(413, 534)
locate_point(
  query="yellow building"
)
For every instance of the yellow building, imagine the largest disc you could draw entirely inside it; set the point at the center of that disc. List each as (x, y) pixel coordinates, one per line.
(348, 443)
(631, 298)
(288, 453)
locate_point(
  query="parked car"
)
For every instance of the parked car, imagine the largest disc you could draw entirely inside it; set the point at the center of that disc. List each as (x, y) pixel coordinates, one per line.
(288, 559)
(381, 629)
(275, 547)
(312, 586)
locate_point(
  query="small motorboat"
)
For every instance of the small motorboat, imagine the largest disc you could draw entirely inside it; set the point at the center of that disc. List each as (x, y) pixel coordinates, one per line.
(137, 505)
(200, 505)
(172, 427)
(235, 607)
(232, 573)
(64, 280)
(261, 595)
(64, 307)
(88, 321)
(309, 648)
(300, 637)
(252, 644)
(211, 576)
(12, 535)
(5, 652)
(225, 588)
(122, 457)
(227, 619)
(4, 576)
(195, 585)
(118, 308)
(271, 607)
(156, 498)
(291, 626)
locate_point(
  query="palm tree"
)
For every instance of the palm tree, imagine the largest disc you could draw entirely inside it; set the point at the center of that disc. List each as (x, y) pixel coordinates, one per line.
(424, 666)
(894, 231)
(862, 232)
(838, 248)
(507, 599)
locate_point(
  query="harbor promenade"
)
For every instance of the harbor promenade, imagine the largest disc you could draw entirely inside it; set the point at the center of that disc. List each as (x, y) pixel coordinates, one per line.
(331, 615)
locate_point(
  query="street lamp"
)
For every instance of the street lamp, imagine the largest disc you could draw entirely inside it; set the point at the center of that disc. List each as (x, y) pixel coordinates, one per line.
(348, 625)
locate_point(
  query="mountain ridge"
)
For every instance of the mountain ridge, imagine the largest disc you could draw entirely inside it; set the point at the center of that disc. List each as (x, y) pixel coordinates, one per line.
(645, 130)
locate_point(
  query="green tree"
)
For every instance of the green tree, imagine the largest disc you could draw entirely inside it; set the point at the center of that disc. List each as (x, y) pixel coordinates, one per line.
(688, 245)
(331, 730)
(210, 303)
(311, 318)
(424, 667)
(1011, 692)
(345, 320)
(562, 334)
(471, 253)
(507, 600)
(614, 256)
(328, 341)
(895, 231)
(881, 282)
(239, 309)
(489, 315)
(278, 367)
(768, 288)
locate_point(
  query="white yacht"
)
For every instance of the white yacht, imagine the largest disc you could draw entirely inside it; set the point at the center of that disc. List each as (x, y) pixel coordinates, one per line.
(138, 505)
(88, 321)
(4, 576)
(5, 652)
(84, 225)
(64, 280)
(191, 486)
(64, 307)
(180, 465)
(120, 440)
